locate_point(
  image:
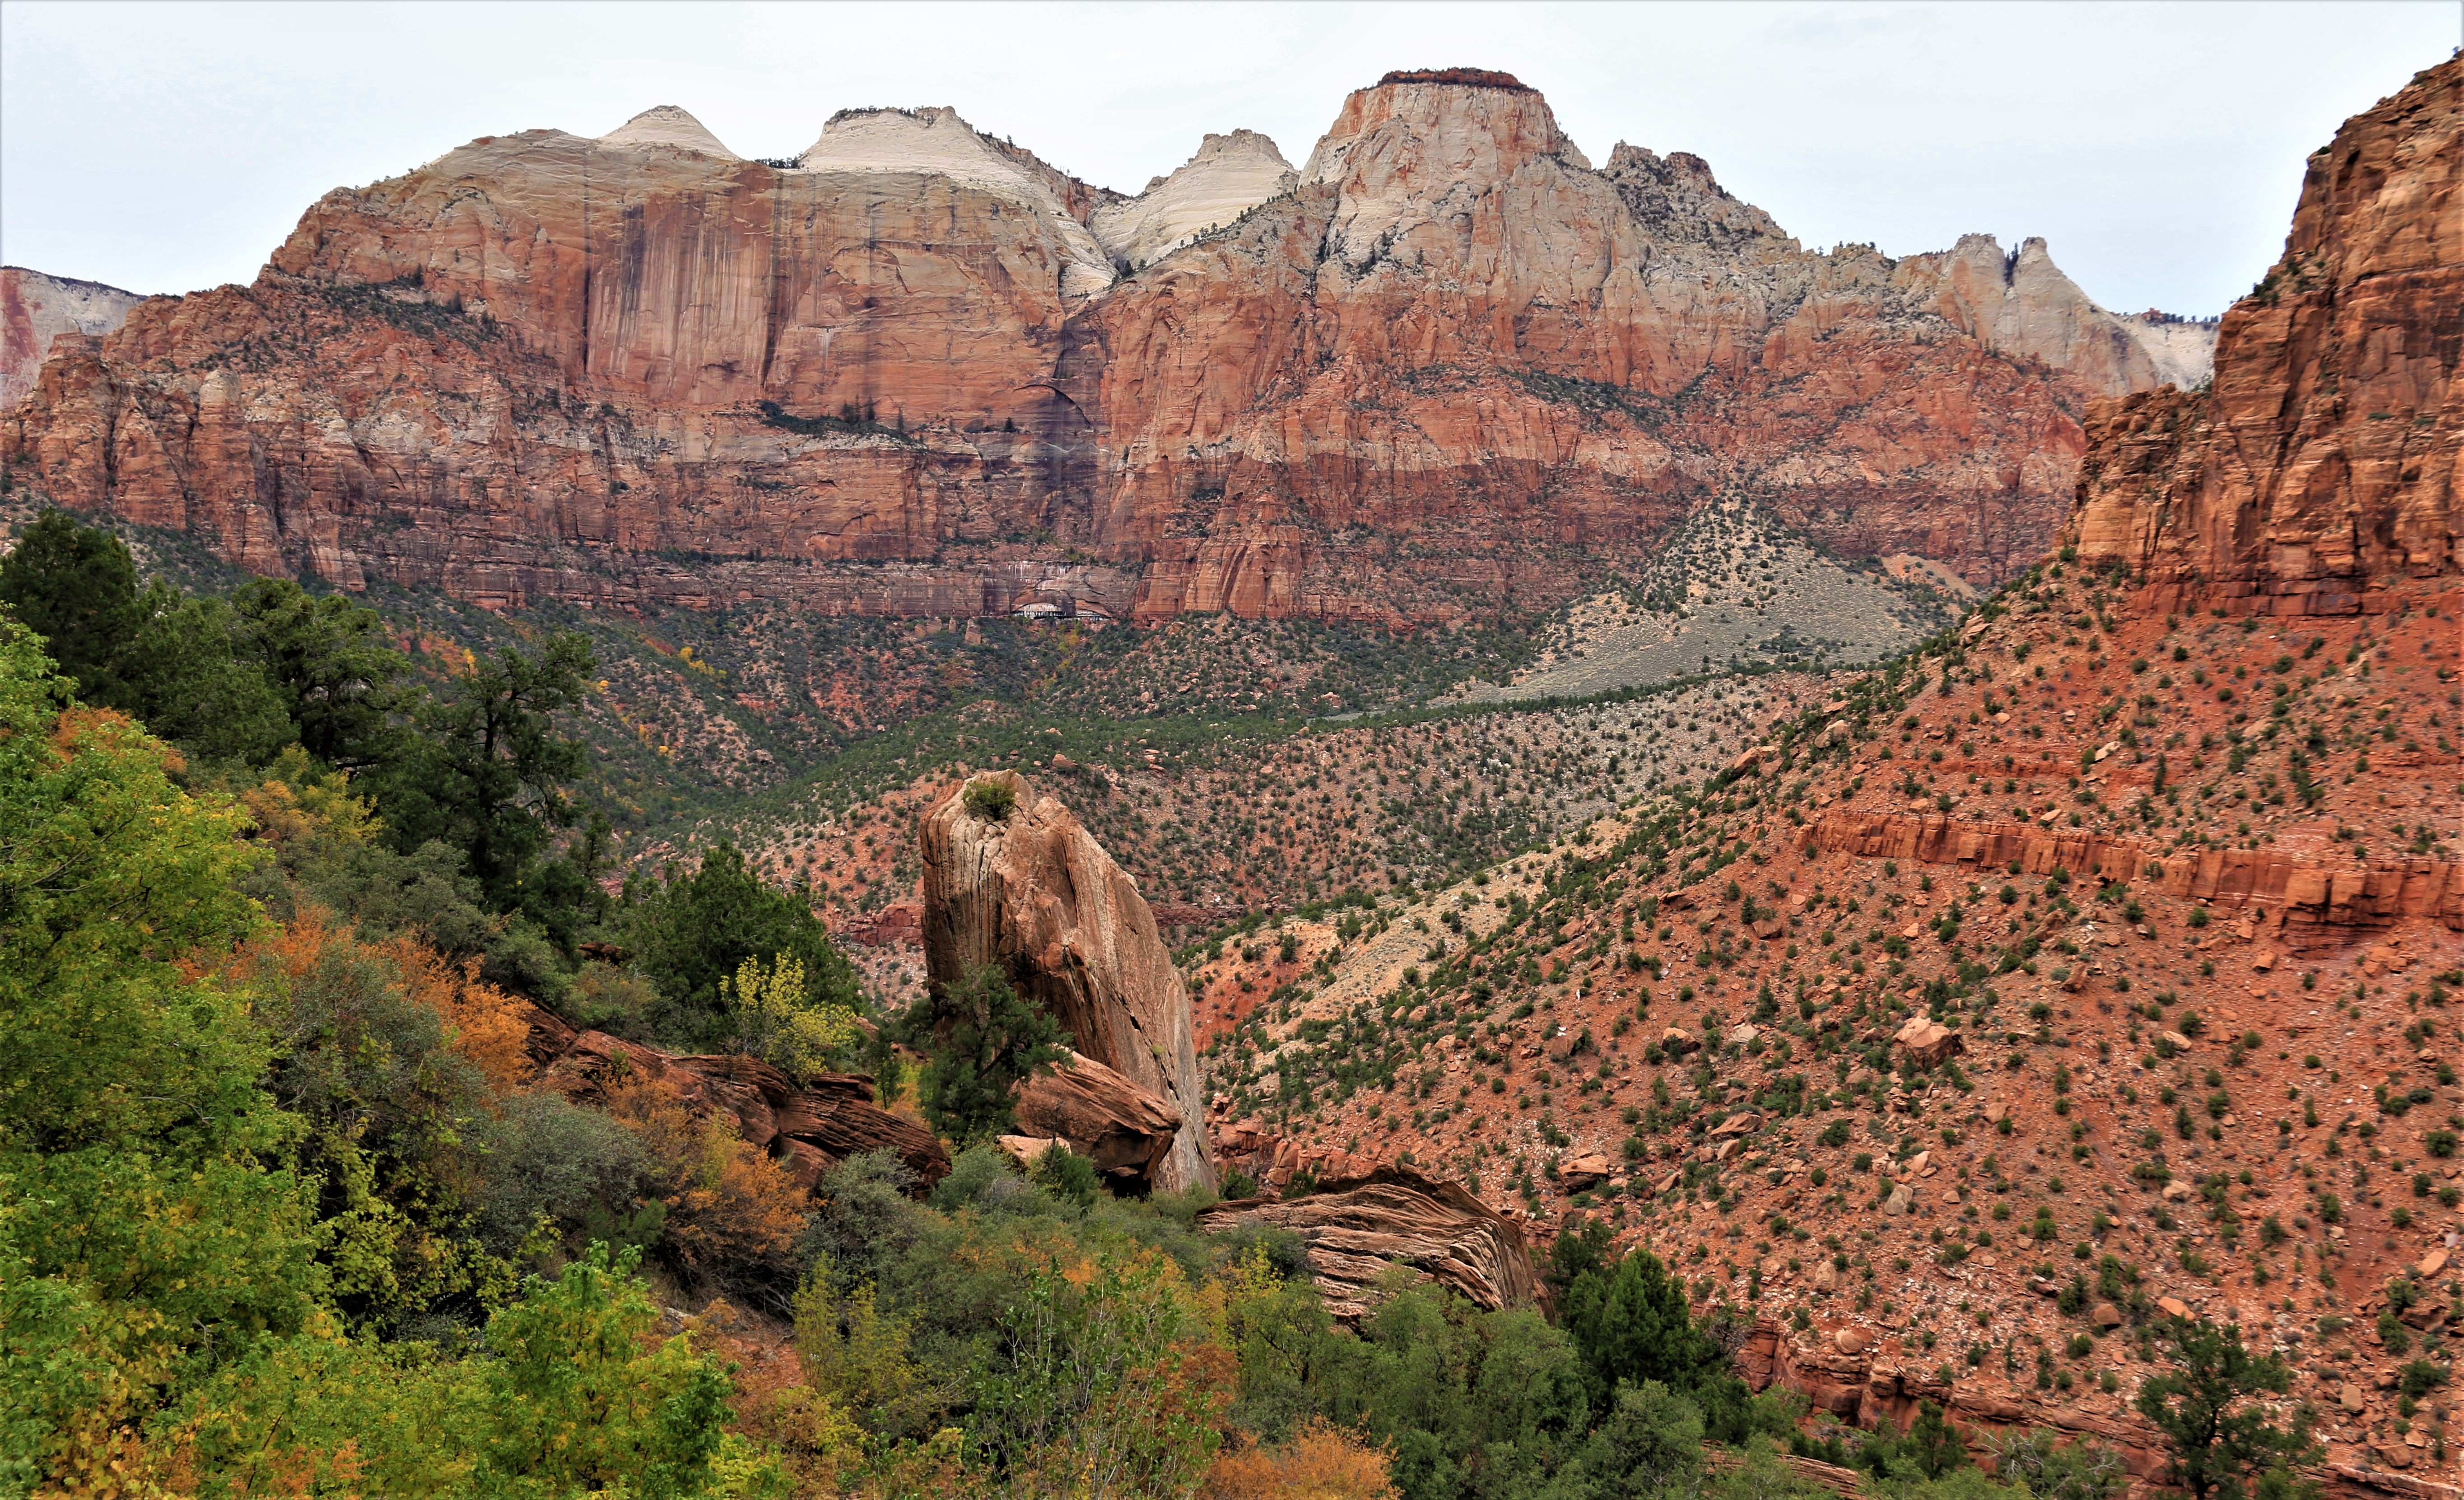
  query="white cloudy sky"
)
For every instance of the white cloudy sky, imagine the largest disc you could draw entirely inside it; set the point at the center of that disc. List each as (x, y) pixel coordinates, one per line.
(2158, 147)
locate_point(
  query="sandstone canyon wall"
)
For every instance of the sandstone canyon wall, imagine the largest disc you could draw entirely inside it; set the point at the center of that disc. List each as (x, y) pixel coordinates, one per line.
(36, 308)
(1444, 365)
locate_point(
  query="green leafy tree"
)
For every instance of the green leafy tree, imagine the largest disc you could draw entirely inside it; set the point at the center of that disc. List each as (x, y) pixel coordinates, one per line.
(1928, 1450)
(696, 932)
(1087, 1390)
(131, 1114)
(578, 1401)
(2222, 1437)
(779, 1020)
(985, 1039)
(1650, 1444)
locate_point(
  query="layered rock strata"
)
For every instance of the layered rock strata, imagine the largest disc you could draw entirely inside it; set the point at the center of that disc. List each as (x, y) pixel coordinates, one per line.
(1125, 1130)
(808, 1128)
(1353, 1229)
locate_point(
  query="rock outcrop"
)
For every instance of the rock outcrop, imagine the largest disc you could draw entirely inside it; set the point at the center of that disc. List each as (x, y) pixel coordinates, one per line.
(2309, 902)
(1353, 1230)
(36, 308)
(1125, 1130)
(2021, 305)
(2329, 453)
(1444, 368)
(1031, 892)
(808, 1128)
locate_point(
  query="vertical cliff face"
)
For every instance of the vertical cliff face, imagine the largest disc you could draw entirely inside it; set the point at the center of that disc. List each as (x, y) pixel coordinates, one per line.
(1444, 367)
(36, 308)
(1033, 892)
(2325, 460)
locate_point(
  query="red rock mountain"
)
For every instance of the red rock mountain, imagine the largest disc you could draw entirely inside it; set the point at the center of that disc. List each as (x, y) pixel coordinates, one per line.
(2329, 456)
(915, 370)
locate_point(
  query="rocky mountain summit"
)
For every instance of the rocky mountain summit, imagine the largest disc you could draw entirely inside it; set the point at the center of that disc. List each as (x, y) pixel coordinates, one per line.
(1444, 367)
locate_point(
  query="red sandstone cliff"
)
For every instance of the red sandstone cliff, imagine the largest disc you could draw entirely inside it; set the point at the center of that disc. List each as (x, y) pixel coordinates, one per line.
(917, 371)
(2328, 456)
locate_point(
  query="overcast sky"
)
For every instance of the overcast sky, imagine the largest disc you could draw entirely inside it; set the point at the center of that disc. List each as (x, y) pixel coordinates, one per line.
(2157, 147)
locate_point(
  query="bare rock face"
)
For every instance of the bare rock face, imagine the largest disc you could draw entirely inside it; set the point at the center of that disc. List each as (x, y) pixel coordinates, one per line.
(1444, 366)
(668, 126)
(1034, 894)
(2329, 451)
(1353, 1230)
(1125, 1130)
(2021, 304)
(810, 1128)
(36, 308)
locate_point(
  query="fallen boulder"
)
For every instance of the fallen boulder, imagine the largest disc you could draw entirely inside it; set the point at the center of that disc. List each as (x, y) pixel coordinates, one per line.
(1012, 879)
(1350, 1230)
(1125, 1130)
(1927, 1044)
(1588, 1170)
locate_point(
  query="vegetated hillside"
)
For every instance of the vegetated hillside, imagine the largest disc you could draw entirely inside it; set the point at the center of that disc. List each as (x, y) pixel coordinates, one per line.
(1444, 371)
(2098, 961)
(1219, 821)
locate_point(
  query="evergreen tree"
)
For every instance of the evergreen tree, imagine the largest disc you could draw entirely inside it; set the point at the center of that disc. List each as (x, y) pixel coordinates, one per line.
(692, 936)
(76, 587)
(985, 1039)
(340, 681)
(152, 652)
(489, 775)
(2222, 1438)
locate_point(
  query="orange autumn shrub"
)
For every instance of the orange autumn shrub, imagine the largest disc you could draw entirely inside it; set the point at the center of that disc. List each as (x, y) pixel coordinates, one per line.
(482, 1022)
(728, 1205)
(1321, 1462)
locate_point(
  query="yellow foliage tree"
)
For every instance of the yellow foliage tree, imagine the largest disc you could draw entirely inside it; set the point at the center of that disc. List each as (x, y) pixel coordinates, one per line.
(778, 1019)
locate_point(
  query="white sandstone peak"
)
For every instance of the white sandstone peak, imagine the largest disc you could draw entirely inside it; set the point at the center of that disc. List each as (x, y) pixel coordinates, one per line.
(935, 141)
(1417, 147)
(1228, 176)
(668, 125)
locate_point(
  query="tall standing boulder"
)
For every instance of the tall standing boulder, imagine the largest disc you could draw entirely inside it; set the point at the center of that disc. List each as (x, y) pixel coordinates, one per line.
(1027, 887)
